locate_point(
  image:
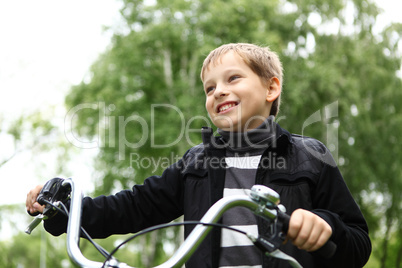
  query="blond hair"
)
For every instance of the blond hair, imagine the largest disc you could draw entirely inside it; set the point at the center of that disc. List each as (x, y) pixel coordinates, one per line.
(261, 60)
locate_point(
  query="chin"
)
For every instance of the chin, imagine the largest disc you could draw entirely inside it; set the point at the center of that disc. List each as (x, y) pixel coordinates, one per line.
(226, 124)
(230, 128)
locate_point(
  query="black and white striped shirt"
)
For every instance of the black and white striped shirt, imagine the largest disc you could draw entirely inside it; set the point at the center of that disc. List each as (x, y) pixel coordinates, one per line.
(243, 155)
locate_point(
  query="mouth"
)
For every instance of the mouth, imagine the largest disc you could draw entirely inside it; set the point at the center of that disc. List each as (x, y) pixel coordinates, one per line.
(226, 106)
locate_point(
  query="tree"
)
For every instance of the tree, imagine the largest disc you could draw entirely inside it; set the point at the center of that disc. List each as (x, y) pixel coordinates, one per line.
(145, 87)
(17, 131)
(37, 133)
(39, 136)
(19, 250)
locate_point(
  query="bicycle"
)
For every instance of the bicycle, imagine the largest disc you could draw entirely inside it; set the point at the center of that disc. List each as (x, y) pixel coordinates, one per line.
(262, 201)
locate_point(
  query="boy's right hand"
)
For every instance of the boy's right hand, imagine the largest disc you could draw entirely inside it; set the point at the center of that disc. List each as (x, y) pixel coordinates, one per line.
(308, 231)
(33, 207)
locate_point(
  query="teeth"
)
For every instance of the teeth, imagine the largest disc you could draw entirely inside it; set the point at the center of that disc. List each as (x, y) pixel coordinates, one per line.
(226, 106)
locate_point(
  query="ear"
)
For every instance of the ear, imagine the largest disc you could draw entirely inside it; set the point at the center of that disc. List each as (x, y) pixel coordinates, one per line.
(274, 89)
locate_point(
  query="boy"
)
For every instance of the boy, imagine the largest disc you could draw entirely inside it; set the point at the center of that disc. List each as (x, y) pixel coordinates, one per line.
(242, 83)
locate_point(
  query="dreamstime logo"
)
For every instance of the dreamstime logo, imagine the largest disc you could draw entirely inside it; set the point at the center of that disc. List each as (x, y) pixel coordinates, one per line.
(113, 128)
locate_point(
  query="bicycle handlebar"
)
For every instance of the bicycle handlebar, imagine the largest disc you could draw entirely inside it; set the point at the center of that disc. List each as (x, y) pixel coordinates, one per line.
(185, 250)
(212, 216)
(73, 228)
(262, 201)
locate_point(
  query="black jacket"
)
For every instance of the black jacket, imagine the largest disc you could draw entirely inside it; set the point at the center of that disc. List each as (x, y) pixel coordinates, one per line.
(306, 177)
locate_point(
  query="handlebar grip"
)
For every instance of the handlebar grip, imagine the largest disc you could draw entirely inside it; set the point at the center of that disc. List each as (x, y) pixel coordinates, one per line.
(326, 251)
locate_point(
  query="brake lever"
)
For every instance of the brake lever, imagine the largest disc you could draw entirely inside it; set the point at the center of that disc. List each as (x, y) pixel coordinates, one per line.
(52, 192)
(38, 220)
(268, 198)
(280, 255)
(270, 247)
(34, 223)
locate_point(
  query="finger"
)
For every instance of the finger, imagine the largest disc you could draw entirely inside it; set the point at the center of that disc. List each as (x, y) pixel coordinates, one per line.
(302, 241)
(31, 198)
(322, 238)
(310, 244)
(295, 224)
(37, 207)
(28, 202)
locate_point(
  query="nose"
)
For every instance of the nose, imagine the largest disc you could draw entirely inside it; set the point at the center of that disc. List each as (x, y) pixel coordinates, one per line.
(220, 91)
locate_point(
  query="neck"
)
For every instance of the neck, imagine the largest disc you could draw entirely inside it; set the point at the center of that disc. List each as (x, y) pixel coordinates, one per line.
(253, 138)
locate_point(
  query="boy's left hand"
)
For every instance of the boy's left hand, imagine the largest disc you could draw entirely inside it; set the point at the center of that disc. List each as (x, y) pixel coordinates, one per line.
(307, 230)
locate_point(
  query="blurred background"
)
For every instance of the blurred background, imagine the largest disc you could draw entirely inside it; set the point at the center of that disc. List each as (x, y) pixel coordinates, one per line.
(121, 57)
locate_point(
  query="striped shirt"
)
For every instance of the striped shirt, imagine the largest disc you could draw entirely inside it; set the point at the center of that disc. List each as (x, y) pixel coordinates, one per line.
(242, 159)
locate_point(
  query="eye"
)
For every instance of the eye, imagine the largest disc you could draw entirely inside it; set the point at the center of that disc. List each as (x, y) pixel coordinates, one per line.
(209, 89)
(233, 77)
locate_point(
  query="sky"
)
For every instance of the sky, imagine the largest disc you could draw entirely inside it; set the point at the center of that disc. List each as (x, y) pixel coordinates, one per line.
(46, 46)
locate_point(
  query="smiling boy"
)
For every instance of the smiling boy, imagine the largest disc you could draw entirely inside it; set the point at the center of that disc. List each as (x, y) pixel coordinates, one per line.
(242, 83)
(237, 99)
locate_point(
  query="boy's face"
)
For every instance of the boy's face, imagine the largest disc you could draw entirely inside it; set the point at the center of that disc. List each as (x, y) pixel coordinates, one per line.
(236, 98)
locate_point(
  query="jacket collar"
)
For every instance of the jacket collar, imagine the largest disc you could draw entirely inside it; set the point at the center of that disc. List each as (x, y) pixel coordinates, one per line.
(281, 136)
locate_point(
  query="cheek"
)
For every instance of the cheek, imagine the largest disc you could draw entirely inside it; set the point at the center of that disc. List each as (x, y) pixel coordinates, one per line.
(208, 105)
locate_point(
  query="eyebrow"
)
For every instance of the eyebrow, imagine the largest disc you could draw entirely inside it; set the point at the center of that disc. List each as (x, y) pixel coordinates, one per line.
(225, 72)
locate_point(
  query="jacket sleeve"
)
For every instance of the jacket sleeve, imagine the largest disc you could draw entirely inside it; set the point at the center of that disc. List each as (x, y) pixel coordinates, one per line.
(336, 206)
(158, 200)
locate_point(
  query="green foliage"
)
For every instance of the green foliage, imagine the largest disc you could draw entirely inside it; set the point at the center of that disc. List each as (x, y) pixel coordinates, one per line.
(19, 253)
(144, 251)
(41, 249)
(37, 132)
(17, 249)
